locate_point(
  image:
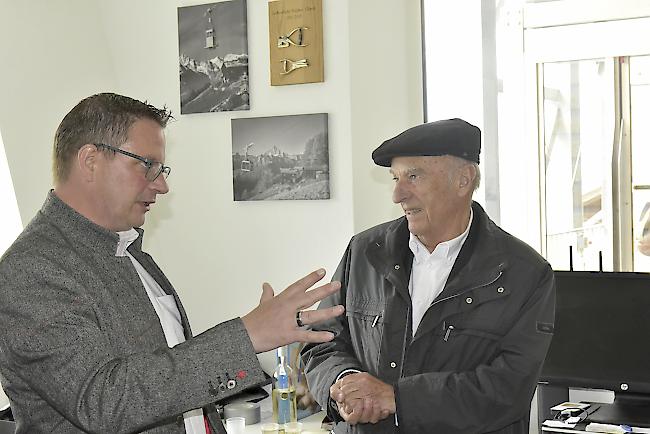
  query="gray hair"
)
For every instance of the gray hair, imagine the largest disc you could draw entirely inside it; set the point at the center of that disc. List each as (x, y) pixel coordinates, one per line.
(457, 163)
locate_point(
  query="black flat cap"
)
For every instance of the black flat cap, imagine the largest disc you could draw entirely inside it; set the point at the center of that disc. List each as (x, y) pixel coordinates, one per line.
(447, 137)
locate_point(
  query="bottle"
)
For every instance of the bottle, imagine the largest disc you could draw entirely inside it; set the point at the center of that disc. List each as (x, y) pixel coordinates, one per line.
(284, 390)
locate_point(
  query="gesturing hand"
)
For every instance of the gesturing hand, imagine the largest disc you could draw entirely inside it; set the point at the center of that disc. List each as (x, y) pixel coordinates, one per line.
(273, 322)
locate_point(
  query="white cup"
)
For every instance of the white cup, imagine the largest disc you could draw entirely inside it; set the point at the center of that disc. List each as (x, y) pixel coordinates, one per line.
(270, 428)
(235, 425)
(293, 427)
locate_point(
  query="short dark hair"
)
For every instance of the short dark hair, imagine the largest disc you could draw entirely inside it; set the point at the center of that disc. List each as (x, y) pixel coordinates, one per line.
(102, 118)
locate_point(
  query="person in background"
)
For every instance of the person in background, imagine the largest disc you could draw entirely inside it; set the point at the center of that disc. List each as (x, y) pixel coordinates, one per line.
(448, 317)
(94, 337)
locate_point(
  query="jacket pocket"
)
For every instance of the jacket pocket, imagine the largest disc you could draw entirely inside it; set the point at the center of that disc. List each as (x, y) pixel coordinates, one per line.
(459, 347)
(366, 322)
(471, 332)
(483, 312)
(372, 315)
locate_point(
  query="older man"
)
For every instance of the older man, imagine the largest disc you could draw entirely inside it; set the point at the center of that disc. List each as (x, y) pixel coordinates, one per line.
(448, 316)
(94, 337)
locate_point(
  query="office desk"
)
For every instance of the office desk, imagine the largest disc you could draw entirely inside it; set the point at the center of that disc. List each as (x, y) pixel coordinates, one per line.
(581, 428)
(578, 428)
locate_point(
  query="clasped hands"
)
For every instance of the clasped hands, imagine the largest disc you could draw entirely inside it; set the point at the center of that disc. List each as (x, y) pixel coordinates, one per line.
(362, 398)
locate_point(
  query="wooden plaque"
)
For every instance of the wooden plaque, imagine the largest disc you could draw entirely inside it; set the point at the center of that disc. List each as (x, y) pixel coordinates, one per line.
(296, 41)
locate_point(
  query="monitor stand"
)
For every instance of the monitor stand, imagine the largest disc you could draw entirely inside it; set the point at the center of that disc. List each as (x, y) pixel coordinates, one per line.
(627, 409)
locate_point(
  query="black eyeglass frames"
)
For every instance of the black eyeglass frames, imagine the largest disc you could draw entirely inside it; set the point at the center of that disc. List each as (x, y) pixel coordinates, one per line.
(154, 168)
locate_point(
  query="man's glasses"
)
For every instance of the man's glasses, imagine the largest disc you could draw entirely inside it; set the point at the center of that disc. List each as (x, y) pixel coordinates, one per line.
(154, 168)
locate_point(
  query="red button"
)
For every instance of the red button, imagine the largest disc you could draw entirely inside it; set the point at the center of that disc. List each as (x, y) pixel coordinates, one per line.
(241, 374)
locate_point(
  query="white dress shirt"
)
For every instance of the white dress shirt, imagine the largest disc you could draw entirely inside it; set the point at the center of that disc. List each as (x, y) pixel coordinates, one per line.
(169, 315)
(430, 271)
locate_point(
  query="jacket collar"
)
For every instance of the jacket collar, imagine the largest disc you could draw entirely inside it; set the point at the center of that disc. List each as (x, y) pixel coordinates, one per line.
(80, 230)
(391, 257)
(480, 260)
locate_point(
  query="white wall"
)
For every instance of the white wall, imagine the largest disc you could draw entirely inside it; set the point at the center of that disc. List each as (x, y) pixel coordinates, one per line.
(385, 94)
(215, 251)
(10, 224)
(52, 56)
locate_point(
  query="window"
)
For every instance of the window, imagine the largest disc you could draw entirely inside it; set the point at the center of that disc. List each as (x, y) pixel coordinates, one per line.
(593, 98)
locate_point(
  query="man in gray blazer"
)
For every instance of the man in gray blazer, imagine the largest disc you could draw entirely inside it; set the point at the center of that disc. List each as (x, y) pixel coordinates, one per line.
(94, 337)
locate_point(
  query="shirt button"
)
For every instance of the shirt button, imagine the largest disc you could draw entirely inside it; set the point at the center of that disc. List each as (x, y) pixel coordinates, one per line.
(468, 300)
(397, 266)
(500, 289)
(393, 364)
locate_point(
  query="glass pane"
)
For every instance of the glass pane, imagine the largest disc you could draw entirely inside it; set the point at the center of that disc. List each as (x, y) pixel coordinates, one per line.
(578, 101)
(640, 139)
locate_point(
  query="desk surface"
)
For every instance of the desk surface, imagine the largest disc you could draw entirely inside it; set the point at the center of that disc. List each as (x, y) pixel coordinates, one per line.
(581, 428)
(310, 424)
(578, 428)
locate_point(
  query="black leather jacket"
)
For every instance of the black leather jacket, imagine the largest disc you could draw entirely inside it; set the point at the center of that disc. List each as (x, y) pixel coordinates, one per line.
(473, 364)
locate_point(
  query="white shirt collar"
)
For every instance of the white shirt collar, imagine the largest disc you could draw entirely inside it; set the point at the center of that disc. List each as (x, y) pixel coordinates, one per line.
(126, 238)
(447, 249)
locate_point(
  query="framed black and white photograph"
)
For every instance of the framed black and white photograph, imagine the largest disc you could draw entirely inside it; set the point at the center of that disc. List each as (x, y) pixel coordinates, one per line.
(280, 158)
(213, 57)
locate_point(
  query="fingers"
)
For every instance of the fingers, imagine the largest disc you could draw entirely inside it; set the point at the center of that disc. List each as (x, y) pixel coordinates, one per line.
(363, 410)
(315, 337)
(308, 298)
(349, 413)
(312, 297)
(360, 411)
(370, 411)
(303, 284)
(267, 292)
(273, 322)
(309, 317)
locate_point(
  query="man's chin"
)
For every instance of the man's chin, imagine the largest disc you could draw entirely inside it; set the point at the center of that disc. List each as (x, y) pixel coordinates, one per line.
(414, 229)
(138, 222)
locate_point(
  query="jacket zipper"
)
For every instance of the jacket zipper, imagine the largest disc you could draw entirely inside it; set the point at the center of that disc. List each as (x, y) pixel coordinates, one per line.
(450, 327)
(469, 289)
(406, 330)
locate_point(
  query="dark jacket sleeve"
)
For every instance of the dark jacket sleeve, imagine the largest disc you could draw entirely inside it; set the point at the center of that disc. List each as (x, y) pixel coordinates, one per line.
(54, 347)
(325, 361)
(495, 394)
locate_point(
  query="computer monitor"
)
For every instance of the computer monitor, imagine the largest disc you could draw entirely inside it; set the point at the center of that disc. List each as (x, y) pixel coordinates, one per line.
(602, 341)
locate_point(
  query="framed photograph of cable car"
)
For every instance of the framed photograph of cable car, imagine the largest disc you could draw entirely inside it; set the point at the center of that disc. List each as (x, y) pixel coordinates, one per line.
(280, 158)
(213, 57)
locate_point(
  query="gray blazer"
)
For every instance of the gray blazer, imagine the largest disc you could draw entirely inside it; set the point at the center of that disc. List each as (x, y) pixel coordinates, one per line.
(81, 347)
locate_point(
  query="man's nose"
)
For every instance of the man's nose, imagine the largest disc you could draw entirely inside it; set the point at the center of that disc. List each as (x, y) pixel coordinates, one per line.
(160, 184)
(399, 192)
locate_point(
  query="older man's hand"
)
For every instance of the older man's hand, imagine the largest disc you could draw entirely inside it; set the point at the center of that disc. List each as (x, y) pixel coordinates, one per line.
(362, 398)
(273, 323)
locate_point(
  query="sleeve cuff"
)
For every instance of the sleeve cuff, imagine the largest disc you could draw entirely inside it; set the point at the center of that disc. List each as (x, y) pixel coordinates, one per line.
(346, 372)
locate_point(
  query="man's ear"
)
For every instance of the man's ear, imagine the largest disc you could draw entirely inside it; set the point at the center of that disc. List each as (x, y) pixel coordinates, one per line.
(87, 159)
(466, 177)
